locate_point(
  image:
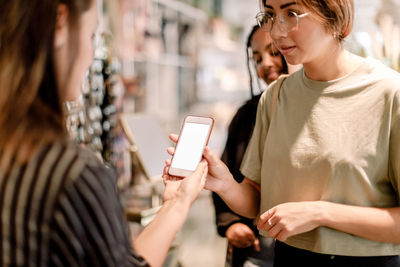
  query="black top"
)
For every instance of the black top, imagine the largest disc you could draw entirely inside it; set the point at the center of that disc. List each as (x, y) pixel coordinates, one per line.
(239, 134)
(61, 209)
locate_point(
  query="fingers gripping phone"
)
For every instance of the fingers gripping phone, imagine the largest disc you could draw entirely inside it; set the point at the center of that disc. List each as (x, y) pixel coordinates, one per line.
(193, 138)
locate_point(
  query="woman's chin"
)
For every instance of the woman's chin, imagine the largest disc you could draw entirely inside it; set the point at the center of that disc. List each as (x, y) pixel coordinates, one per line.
(271, 77)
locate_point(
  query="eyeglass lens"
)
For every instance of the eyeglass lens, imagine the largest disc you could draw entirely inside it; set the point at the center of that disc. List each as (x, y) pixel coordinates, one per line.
(287, 22)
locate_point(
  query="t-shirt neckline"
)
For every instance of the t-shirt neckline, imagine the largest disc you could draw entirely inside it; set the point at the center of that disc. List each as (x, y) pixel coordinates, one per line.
(333, 85)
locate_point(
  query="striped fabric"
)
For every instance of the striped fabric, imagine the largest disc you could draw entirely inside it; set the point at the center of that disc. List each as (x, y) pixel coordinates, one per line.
(61, 209)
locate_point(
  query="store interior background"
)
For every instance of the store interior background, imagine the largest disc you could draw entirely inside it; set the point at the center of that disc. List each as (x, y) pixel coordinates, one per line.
(157, 61)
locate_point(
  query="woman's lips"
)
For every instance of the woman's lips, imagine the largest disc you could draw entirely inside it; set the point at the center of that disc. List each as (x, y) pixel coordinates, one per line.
(285, 50)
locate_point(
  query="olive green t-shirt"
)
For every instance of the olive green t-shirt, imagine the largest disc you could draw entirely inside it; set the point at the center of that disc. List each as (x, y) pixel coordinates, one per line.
(336, 141)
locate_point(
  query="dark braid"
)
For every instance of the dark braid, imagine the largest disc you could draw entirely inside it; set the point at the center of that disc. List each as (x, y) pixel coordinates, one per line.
(253, 31)
(285, 69)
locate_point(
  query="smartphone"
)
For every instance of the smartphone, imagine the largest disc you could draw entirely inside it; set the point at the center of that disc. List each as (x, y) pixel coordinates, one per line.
(193, 138)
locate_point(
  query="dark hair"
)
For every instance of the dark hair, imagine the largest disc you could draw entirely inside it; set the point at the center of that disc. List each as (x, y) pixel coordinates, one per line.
(254, 29)
(31, 111)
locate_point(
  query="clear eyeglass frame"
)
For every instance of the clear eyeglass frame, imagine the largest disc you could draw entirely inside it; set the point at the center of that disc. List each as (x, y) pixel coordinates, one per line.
(286, 23)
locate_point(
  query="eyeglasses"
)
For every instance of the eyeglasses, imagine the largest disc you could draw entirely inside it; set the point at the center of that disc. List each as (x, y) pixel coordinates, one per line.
(287, 22)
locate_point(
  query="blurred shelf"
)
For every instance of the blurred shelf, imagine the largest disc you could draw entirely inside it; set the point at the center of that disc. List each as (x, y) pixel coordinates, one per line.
(183, 8)
(167, 59)
(134, 214)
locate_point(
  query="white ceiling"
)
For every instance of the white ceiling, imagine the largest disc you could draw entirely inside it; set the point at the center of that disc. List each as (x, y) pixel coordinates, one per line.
(242, 12)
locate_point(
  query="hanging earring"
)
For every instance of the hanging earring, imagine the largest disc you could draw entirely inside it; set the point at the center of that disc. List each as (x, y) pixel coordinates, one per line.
(336, 35)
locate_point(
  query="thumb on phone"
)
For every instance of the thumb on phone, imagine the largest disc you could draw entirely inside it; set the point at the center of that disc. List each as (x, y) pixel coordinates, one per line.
(201, 172)
(210, 156)
(193, 184)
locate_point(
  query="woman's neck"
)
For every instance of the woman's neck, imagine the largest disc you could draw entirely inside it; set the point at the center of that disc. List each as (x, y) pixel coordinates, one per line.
(337, 63)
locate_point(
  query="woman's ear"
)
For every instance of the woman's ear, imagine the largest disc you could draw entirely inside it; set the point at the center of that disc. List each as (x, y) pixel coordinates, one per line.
(61, 29)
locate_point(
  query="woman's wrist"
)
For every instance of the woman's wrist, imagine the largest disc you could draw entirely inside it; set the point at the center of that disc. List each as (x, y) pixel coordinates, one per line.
(322, 213)
(178, 204)
(227, 186)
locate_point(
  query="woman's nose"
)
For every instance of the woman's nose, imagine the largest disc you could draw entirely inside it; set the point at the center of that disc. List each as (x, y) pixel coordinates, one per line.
(267, 60)
(276, 31)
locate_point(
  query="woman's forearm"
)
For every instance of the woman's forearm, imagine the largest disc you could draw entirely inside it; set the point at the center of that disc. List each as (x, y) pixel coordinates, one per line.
(378, 224)
(243, 198)
(156, 238)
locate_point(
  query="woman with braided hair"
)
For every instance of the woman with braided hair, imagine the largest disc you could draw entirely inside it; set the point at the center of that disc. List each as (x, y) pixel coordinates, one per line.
(244, 242)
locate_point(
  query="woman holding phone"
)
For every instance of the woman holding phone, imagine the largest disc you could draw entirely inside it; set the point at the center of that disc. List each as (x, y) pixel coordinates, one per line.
(323, 173)
(58, 203)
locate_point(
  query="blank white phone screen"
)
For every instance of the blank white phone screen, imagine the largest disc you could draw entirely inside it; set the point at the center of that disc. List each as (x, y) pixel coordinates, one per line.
(190, 147)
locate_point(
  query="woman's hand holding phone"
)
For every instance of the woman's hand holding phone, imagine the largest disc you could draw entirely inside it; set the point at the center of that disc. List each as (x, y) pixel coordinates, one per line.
(242, 198)
(219, 179)
(193, 137)
(185, 189)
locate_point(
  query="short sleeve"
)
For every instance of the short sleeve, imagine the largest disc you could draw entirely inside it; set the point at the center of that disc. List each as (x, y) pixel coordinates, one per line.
(252, 160)
(394, 149)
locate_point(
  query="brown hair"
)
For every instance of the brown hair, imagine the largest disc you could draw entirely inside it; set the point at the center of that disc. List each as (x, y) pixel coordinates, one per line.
(336, 15)
(31, 112)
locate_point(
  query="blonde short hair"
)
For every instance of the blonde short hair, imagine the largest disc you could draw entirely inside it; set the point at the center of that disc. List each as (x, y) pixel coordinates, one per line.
(336, 15)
